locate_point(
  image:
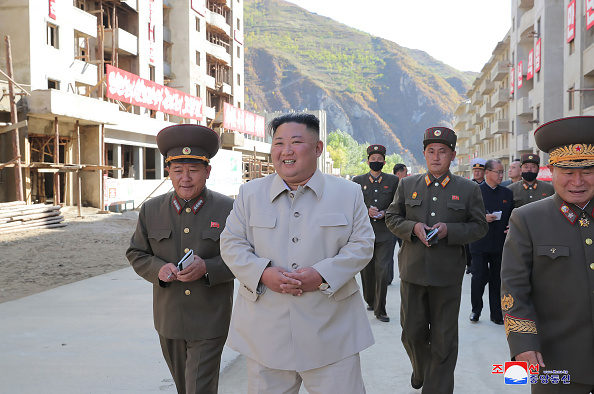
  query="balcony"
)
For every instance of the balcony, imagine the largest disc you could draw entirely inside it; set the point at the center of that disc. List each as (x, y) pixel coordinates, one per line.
(526, 23)
(460, 109)
(83, 22)
(500, 126)
(218, 21)
(486, 110)
(126, 43)
(500, 98)
(477, 98)
(523, 106)
(485, 134)
(499, 71)
(132, 4)
(210, 112)
(588, 61)
(461, 121)
(83, 72)
(522, 144)
(525, 3)
(210, 82)
(476, 119)
(474, 140)
(167, 34)
(487, 87)
(219, 52)
(167, 69)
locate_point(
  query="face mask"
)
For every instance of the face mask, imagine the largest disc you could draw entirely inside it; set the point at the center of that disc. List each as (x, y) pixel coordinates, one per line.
(376, 165)
(529, 176)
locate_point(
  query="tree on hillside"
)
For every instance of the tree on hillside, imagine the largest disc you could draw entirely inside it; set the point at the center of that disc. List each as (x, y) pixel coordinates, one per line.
(351, 157)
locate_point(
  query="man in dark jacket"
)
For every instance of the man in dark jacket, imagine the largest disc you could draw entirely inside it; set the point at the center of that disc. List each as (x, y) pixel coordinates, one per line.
(486, 252)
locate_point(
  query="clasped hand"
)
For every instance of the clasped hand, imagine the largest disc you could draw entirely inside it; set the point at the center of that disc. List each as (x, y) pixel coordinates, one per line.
(421, 230)
(291, 282)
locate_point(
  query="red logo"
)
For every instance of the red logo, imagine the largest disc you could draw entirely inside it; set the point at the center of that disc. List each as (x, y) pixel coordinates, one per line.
(214, 225)
(533, 369)
(385, 187)
(455, 198)
(497, 368)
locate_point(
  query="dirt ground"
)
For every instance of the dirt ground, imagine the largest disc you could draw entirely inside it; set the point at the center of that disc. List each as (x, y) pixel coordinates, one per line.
(36, 260)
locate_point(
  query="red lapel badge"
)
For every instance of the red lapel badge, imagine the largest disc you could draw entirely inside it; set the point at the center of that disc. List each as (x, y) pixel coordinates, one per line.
(214, 225)
(455, 197)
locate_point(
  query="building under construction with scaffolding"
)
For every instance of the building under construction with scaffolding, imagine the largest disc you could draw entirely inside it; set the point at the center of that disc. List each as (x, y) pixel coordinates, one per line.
(94, 81)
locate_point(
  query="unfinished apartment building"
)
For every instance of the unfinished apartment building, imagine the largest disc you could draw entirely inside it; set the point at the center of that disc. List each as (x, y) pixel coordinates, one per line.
(99, 79)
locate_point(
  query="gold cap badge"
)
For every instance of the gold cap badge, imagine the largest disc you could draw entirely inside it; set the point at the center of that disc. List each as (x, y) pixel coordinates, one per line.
(186, 151)
(437, 133)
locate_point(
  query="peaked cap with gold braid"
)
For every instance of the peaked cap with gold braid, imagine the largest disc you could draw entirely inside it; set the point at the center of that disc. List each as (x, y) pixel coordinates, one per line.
(188, 143)
(569, 141)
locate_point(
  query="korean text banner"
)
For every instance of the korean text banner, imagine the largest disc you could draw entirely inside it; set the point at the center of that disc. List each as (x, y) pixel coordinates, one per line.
(243, 121)
(130, 88)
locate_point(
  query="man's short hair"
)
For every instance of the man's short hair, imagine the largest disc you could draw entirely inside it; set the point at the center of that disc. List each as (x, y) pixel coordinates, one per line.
(518, 160)
(489, 164)
(311, 122)
(398, 167)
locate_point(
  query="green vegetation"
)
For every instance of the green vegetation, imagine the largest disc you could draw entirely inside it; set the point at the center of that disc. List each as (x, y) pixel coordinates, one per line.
(351, 157)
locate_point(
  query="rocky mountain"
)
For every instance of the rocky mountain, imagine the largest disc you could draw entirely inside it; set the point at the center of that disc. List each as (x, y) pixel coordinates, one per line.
(372, 88)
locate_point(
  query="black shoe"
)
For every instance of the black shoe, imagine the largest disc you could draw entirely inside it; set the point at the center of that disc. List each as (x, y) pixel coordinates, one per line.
(499, 322)
(382, 318)
(415, 385)
(474, 317)
(369, 307)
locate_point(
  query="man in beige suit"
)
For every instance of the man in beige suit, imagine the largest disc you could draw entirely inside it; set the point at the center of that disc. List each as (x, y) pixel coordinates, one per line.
(296, 240)
(192, 306)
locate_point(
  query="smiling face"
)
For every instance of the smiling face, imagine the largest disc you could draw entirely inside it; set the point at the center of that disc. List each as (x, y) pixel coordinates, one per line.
(438, 157)
(295, 151)
(188, 178)
(574, 185)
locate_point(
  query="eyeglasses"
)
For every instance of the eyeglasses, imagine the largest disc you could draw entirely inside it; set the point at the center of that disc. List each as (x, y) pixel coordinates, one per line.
(499, 172)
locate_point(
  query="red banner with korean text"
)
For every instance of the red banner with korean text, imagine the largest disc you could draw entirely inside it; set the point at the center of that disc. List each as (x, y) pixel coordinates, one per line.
(52, 9)
(243, 121)
(151, 31)
(589, 14)
(530, 71)
(571, 21)
(537, 56)
(520, 74)
(130, 88)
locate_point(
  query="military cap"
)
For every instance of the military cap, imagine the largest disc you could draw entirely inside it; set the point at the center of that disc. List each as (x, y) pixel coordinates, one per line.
(376, 149)
(568, 141)
(441, 135)
(478, 163)
(530, 158)
(188, 143)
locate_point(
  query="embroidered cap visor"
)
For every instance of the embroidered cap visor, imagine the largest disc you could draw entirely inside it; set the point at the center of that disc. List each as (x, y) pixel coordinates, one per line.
(188, 143)
(569, 141)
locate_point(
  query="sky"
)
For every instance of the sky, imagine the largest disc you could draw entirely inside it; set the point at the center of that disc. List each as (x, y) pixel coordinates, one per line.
(460, 33)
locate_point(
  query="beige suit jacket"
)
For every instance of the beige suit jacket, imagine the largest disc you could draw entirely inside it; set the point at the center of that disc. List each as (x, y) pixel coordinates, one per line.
(324, 226)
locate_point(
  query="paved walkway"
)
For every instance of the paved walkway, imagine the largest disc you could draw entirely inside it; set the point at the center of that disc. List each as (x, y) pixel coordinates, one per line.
(97, 336)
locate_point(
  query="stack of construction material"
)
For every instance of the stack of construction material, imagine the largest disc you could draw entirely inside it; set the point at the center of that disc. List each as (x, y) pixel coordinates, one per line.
(17, 216)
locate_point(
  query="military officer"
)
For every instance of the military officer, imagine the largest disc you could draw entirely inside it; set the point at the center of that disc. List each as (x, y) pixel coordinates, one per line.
(478, 170)
(191, 307)
(378, 192)
(547, 276)
(529, 189)
(431, 270)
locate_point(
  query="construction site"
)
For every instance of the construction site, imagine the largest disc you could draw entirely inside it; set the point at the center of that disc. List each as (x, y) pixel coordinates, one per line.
(85, 92)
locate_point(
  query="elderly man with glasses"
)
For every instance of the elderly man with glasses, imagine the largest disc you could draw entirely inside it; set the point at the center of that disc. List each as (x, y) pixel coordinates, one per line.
(486, 252)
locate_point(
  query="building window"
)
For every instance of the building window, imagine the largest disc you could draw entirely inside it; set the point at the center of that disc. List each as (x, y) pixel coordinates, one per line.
(238, 24)
(238, 52)
(537, 117)
(197, 90)
(198, 24)
(197, 58)
(238, 79)
(238, 104)
(52, 35)
(571, 47)
(53, 84)
(152, 74)
(80, 47)
(570, 98)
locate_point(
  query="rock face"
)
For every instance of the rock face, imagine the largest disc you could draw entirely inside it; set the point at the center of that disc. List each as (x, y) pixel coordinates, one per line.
(371, 88)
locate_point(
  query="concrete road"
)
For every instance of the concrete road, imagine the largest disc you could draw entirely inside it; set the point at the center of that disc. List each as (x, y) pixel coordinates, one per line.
(97, 336)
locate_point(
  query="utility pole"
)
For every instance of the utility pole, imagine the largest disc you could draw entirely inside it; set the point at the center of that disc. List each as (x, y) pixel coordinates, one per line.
(16, 148)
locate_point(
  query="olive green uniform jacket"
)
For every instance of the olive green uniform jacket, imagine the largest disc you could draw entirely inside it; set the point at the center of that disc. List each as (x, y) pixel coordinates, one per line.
(525, 193)
(167, 227)
(547, 285)
(452, 200)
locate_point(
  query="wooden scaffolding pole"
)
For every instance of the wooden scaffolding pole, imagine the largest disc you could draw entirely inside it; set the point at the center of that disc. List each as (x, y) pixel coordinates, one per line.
(16, 148)
(57, 198)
